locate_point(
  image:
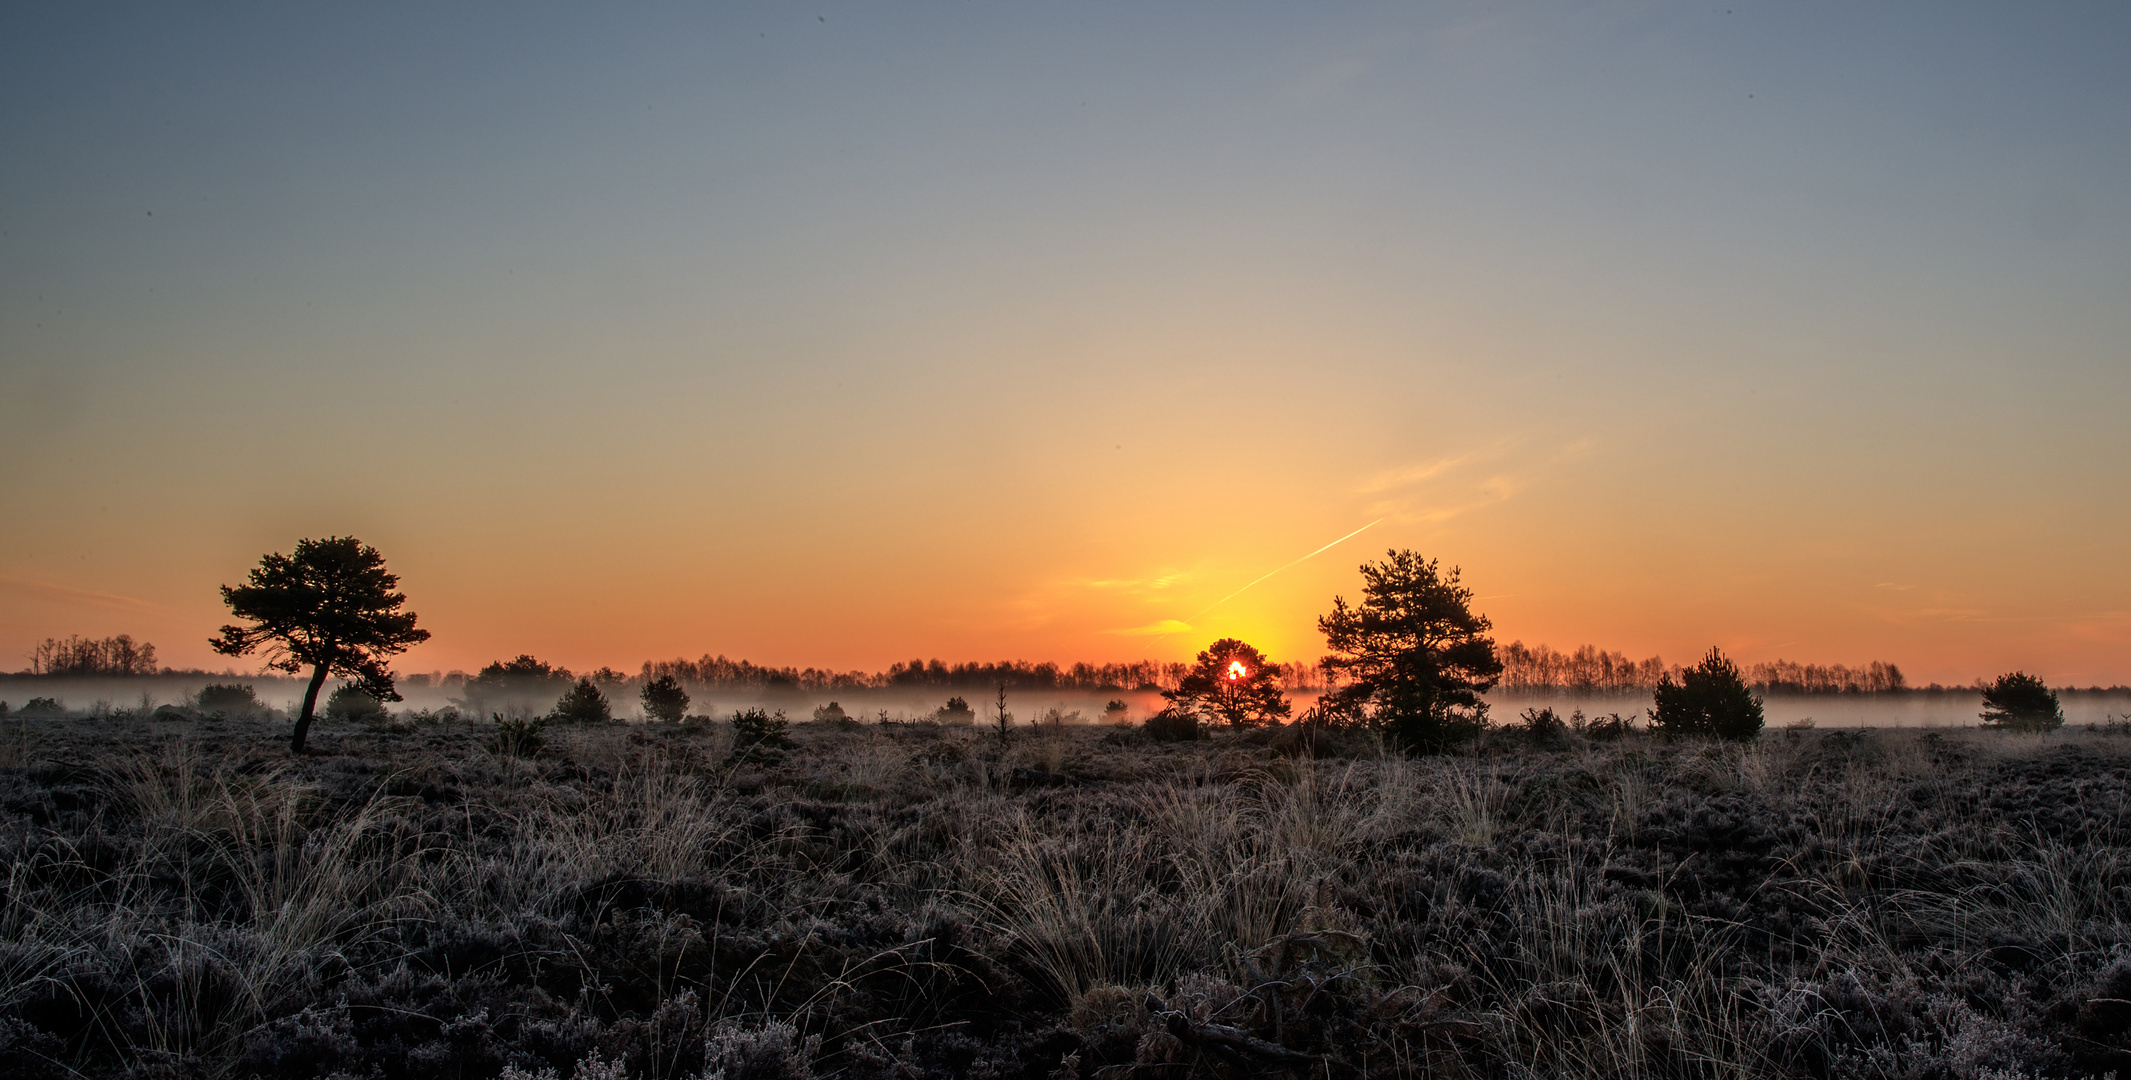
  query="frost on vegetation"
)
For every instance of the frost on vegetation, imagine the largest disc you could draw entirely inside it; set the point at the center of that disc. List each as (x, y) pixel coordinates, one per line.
(746, 899)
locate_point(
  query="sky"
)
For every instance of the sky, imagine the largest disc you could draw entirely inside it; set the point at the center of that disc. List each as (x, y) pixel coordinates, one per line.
(837, 334)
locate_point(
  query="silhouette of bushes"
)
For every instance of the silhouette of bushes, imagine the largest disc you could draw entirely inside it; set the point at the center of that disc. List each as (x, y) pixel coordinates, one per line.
(759, 735)
(351, 703)
(1170, 725)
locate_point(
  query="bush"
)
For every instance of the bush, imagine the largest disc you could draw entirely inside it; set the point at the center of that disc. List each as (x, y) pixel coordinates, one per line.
(759, 734)
(664, 699)
(2021, 702)
(519, 737)
(447, 715)
(229, 699)
(1710, 699)
(1117, 712)
(352, 702)
(956, 711)
(832, 713)
(43, 707)
(1169, 725)
(583, 704)
(1544, 726)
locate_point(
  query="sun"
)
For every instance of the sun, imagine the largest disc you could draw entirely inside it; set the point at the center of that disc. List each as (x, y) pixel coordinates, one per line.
(1236, 670)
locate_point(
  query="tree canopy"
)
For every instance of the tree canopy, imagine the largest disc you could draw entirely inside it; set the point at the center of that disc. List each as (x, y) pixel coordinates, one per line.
(329, 606)
(1709, 699)
(1412, 658)
(1232, 681)
(2018, 701)
(664, 699)
(583, 704)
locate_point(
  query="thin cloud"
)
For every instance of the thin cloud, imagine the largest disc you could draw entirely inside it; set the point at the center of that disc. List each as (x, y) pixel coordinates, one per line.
(1411, 474)
(49, 591)
(1160, 629)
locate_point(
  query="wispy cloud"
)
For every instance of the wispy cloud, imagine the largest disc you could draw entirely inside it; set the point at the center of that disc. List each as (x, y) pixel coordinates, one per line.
(1136, 585)
(1160, 629)
(69, 594)
(1409, 475)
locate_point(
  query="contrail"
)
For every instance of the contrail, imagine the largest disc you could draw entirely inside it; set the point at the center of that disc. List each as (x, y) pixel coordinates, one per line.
(1270, 573)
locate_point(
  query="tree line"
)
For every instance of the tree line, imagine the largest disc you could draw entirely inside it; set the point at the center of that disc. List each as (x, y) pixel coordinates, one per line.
(1541, 669)
(80, 656)
(1410, 660)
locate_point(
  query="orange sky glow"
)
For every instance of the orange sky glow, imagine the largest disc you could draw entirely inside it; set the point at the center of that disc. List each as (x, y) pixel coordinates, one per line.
(1002, 334)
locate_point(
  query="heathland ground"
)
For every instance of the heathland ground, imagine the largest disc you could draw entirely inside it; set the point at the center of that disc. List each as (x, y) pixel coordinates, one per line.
(183, 898)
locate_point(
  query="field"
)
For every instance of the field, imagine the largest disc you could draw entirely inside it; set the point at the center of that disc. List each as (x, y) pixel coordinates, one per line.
(184, 899)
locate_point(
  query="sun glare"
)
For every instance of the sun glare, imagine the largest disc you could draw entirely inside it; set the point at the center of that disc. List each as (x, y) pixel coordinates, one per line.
(1236, 669)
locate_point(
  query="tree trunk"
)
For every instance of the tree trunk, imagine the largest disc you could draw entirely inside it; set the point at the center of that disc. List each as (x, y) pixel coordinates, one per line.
(310, 701)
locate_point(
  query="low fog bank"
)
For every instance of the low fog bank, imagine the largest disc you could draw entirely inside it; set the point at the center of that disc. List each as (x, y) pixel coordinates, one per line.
(1911, 708)
(141, 694)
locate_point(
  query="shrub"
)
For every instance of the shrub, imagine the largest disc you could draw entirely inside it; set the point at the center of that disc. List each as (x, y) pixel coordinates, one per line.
(832, 713)
(1544, 726)
(1053, 719)
(1709, 699)
(229, 699)
(1169, 725)
(1116, 712)
(1608, 728)
(351, 702)
(44, 707)
(757, 733)
(518, 737)
(449, 714)
(664, 699)
(956, 711)
(583, 704)
(2019, 701)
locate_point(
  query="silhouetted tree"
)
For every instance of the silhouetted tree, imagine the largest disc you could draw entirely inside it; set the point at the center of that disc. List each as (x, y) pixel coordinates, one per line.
(521, 684)
(119, 655)
(583, 704)
(2019, 701)
(1710, 699)
(329, 606)
(664, 699)
(1413, 658)
(1233, 682)
(956, 711)
(1002, 721)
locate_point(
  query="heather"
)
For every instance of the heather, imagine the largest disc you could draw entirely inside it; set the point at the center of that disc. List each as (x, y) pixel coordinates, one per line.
(184, 898)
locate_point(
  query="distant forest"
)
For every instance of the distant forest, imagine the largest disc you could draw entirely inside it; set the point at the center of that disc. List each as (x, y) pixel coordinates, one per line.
(717, 672)
(1532, 670)
(1541, 669)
